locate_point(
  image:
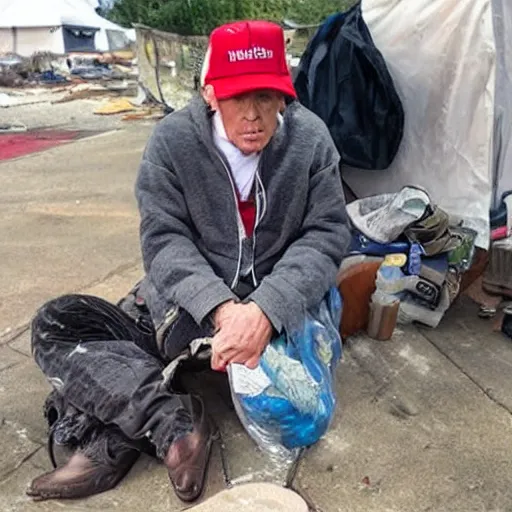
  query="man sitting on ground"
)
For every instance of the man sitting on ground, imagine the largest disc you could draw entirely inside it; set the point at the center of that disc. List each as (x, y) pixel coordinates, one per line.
(243, 228)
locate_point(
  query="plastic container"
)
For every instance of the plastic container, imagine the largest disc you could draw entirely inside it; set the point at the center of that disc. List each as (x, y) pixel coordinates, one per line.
(415, 254)
(391, 280)
(383, 316)
(498, 276)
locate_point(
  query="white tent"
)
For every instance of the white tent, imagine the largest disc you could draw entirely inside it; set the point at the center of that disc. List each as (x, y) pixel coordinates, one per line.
(58, 26)
(451, 61)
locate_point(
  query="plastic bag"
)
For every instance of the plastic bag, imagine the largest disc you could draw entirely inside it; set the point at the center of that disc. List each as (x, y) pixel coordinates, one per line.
(288, 401)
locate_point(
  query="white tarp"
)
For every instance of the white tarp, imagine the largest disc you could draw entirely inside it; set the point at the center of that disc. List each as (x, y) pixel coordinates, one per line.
(441, 55)
(502, 10)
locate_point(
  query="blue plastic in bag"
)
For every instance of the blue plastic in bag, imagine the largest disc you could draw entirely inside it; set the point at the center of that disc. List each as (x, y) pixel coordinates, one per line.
(288, 401)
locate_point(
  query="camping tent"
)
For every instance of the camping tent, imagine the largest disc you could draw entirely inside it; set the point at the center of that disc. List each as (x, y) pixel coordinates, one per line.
(451, 61)
(58, 26)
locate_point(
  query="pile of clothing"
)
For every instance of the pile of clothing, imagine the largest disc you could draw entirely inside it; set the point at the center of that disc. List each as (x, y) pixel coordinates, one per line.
(420, 256)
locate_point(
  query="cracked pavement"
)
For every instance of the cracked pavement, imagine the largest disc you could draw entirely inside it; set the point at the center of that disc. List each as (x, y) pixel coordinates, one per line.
(423, 423)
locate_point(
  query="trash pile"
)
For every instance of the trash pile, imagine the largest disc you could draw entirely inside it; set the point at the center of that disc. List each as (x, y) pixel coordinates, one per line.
(45, 68)
(13, 70)
(405, 265)
(49, 78)
(498, 278)
(133, 109)
(79, 75)
(493, 292)
(118, 65)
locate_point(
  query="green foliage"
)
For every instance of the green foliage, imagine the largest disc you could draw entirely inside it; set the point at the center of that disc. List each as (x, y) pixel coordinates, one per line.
(196, 17)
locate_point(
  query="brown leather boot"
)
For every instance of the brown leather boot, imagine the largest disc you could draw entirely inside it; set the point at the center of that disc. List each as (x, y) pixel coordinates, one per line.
(187, 458)
(82, 476)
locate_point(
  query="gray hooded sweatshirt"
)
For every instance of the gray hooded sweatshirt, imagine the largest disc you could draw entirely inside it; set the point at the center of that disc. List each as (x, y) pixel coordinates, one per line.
(193, 245)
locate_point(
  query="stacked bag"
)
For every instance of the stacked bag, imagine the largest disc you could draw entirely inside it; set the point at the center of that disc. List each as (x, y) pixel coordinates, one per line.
(424, 280)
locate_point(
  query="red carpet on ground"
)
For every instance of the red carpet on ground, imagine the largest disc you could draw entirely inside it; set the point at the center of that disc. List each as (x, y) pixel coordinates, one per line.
(13, 145)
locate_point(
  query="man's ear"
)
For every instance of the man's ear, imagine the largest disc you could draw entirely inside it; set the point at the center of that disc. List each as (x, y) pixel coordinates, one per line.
(282, 104)
(209, 97)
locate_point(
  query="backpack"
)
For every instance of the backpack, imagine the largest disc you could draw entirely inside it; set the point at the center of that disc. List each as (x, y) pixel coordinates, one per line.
(343, 78)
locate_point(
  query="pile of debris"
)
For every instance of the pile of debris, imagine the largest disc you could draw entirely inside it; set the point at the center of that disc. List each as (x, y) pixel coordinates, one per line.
(50, 78)
(492, 291)
(406, 263)
(13, 71)
(116, 70)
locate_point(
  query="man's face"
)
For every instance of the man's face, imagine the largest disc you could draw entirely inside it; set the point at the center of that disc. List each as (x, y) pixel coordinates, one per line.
(250, 120)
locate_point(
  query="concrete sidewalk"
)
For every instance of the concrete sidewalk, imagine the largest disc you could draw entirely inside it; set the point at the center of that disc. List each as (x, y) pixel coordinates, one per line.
(423, 422)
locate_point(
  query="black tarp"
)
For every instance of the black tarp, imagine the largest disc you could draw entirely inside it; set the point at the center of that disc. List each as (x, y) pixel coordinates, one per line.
(343, 78)
(79, 39)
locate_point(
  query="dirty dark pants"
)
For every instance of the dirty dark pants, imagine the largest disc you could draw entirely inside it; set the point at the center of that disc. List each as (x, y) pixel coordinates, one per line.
(108, 367)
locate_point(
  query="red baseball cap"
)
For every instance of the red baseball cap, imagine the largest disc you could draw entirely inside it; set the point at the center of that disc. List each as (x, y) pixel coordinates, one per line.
(247, 56)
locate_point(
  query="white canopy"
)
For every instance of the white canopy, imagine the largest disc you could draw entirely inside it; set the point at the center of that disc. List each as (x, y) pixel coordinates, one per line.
(48, 13)
(25, 14)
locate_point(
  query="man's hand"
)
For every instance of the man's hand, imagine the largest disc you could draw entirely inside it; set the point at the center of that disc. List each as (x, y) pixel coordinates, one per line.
(243, 332)
(223, 312)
